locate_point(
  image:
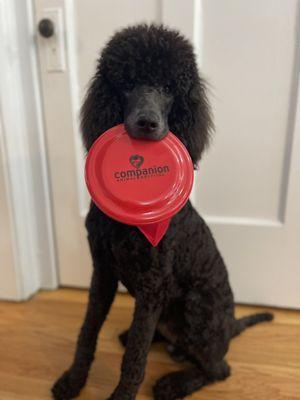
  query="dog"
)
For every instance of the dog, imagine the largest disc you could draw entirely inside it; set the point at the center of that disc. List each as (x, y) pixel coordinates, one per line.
(147, 78)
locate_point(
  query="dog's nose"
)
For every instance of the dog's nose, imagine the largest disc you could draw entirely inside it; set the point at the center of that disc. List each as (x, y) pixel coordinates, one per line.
(147, 126)
(146, 123)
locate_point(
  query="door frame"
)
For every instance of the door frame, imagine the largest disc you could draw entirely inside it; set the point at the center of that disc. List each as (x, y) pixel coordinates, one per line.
(23, 150)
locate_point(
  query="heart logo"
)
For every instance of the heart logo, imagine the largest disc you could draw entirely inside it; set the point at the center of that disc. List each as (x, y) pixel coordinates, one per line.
(136, 160)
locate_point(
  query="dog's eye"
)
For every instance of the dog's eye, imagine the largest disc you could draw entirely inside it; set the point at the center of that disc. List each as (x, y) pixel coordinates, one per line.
(167, 89)
(128, 87)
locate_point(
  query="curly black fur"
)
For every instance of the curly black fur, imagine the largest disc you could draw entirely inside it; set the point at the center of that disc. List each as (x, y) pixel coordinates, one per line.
(181, 286)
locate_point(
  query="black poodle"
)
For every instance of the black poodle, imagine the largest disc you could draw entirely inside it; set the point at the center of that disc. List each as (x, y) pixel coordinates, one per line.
(147, 78)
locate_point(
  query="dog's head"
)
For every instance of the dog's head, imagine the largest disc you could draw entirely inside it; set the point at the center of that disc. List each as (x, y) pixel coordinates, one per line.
(147, 78)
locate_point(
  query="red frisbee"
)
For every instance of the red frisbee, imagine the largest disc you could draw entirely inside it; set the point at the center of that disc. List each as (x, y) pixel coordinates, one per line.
(139, 182)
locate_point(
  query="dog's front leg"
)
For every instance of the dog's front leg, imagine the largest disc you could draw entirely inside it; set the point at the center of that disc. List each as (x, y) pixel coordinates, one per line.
(102, 292)
(141, 332)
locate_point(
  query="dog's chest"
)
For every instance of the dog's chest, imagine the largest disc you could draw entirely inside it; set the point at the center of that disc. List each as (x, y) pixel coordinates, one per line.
(140, 266)
(134, 261)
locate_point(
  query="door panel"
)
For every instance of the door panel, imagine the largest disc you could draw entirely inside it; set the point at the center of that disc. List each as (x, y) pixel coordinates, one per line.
(249, 58)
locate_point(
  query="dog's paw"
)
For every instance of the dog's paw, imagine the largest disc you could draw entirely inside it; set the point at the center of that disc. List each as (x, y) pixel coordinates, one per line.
(120, 395)
(68, 386)
(166, 389)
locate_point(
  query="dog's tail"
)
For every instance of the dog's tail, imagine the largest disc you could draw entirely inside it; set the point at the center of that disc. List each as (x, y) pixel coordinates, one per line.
(250, 320)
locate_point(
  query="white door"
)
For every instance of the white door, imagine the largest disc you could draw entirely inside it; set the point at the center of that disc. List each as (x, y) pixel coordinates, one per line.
(248, 184)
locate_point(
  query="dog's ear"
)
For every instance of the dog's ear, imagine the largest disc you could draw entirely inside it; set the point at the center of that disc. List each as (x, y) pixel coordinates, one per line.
(101, 110)
(192, 120)
(201, 128)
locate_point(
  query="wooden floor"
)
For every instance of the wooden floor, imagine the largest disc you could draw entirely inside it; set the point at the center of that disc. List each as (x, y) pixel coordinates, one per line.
(37, 341)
